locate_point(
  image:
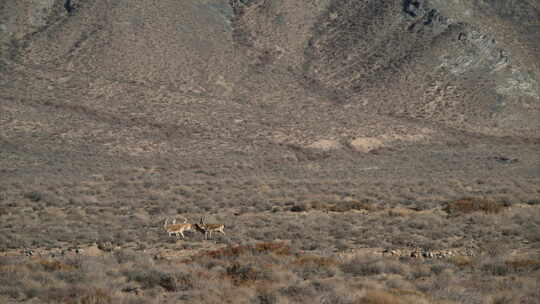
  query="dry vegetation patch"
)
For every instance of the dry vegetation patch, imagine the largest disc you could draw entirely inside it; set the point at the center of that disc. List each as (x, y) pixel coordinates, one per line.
(470, 205)
(264, 271)
(240, 250)
(315, 261)
(524, 264)
(383, 297)
(55, 265)
(335, 205)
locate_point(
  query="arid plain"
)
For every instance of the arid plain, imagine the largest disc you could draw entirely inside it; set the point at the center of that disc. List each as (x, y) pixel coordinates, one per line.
(355, 151)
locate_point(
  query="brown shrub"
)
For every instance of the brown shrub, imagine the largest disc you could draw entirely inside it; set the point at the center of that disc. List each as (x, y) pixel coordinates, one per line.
(245, 274)
(149, 278)
(461, 261)
(380, 297)
(94, 296)
(308, 267)
(77, 295)
(298, 293)
(470, 205)
(343, 206)
(54, 265)
(367, 266)
(273, 247)
(406, 292)
(259, 248)
(228, 252)
(495, 268)
(310, 260)
(523, 265)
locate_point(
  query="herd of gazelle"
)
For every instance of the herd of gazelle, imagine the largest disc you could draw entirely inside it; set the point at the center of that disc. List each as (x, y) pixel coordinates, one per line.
(207, 229)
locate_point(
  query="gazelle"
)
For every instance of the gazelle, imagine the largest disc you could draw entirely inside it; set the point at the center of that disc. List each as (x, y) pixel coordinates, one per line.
(175, 229)
(207, 229)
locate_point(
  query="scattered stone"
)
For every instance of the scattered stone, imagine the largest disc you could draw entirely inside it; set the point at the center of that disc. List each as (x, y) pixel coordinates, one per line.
(426, 254)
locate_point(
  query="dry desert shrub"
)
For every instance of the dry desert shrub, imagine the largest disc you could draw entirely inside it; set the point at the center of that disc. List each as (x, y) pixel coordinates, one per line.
(470, 205)
(298, 292)
(246, 274)
(79, 295)
(309, 267)
(524, 265)
(367, 266)
(338, 206)
(256, 249)
(266, 296)
(352, 205)
(55, 265)
(498, 266)
(317, 261)
(380, 297)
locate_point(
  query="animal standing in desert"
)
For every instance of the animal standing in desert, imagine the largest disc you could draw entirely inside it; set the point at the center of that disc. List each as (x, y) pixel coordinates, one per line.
(175, 229)
(207, 229)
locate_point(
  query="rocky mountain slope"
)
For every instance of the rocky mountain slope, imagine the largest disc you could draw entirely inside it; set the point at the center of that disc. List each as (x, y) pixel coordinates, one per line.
(471, 65)
(273, 85)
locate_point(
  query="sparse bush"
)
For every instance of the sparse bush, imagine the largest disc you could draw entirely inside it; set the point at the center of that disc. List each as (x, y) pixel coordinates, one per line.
(363, 266)
(266, 298)
(168, 282)
(124, 256)
(149, 278)
(310, 266)
(496, 268)
(461, 261)
(244, 274)
(438, 268)
(34, 196)
(298, 293)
